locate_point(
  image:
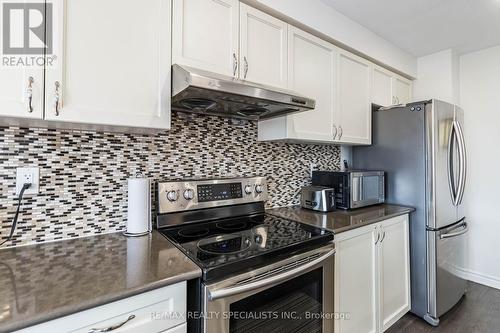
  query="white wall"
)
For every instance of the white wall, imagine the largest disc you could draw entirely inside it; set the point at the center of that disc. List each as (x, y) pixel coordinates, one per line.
(480, 98)
(437, 77)
(326, 20)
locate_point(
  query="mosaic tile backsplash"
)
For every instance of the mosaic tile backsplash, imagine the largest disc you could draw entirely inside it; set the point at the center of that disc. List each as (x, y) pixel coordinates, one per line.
(83, 174)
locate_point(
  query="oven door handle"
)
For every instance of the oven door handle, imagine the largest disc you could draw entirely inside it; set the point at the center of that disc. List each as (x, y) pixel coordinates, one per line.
(226, 292)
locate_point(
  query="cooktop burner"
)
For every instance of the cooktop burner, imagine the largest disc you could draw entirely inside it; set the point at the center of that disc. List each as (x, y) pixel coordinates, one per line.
(236, 244)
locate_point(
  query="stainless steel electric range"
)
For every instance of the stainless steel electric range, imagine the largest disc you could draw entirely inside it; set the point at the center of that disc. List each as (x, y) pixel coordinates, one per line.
(260, 272)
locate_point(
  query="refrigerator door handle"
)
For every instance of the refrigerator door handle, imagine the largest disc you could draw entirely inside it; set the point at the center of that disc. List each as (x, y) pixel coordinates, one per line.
(451, 166)
(463, 162)
(464, 228)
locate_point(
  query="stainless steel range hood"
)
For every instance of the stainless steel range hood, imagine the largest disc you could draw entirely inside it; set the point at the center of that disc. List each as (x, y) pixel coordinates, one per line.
(198, 91)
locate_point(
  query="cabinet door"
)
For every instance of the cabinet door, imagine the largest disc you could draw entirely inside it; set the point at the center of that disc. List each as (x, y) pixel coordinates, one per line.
(21, 92)
(111, 72)
(205, 34)
(402, 90)
(382, 87)
(159, 310)
(353, 113)
(177, 329)
(311, 72)
(356, 280)
(394, 270)
(263, 48)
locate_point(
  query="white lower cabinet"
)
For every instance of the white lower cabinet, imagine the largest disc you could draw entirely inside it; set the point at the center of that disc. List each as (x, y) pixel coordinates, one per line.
(372, 276)
(160, 310)
(394, 265)
(177, 329)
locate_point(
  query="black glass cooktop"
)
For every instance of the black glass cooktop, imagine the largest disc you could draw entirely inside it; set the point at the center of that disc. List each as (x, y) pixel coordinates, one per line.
(225, 247)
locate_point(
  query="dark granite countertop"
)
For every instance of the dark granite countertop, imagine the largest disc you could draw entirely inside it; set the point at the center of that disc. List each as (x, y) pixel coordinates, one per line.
(46, 281)
(340, 220)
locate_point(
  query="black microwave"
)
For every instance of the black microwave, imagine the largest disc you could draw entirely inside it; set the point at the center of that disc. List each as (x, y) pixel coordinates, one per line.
(353, 188)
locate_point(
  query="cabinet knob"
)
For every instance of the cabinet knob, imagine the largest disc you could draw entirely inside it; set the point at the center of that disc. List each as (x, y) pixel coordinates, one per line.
(29, 93)
(56, 98)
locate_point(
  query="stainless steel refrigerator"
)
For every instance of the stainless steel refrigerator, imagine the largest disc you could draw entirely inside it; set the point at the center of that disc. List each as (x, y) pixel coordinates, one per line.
(421, 147)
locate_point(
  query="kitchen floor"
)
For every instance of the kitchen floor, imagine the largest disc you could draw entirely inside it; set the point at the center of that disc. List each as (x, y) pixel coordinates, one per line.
(477, 312)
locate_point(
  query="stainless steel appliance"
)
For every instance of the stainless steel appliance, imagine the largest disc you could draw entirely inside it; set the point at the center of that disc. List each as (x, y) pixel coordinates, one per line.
(318, 198)
(353, 188)
(195, 90)
(422, 148)
(259, 272)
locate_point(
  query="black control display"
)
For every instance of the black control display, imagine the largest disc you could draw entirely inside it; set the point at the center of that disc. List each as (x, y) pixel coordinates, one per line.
(213, 192)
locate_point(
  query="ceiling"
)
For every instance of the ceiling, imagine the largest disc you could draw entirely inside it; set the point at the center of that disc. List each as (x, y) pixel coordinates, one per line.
(422, 27)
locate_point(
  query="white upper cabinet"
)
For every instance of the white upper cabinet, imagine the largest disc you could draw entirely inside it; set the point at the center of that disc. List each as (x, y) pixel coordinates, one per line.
(111, 72)
(21, 92)
(311, 72)
(205, 35)
(263, 48)
(390, 88)
(353, 115)
(402, 90)
(339, 82)
(382, 87)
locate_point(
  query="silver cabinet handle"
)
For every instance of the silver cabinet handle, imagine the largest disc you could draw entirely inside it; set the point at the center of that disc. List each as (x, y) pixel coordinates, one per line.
(235, 64)
(383, 235)
(112, 327)
(270, 281)
(341, 132)
(397, 100)
(378, 236)
(57, 98)
(334, 132)
(245, 70)
(29, 93)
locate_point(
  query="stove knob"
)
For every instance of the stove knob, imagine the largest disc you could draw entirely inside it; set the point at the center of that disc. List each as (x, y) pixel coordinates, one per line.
(188, 194)
(248, 189)
(172, 196)
(258, 189)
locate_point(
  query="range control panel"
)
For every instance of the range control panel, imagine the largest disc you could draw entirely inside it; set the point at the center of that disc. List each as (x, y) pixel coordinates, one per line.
(213, 192)
(176, 196)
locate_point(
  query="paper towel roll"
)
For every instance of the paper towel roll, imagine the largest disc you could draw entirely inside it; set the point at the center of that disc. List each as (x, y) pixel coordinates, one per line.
(139, 206)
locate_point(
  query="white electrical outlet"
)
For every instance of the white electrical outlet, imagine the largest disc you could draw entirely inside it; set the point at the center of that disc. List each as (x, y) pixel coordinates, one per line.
(28, 175)
(312, 167)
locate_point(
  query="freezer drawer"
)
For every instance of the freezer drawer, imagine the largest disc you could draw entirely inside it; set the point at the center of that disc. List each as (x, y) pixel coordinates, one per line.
(446, 255)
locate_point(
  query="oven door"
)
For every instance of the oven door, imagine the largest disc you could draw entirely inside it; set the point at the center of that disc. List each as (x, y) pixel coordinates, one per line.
(367, 188)
(293, 295)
